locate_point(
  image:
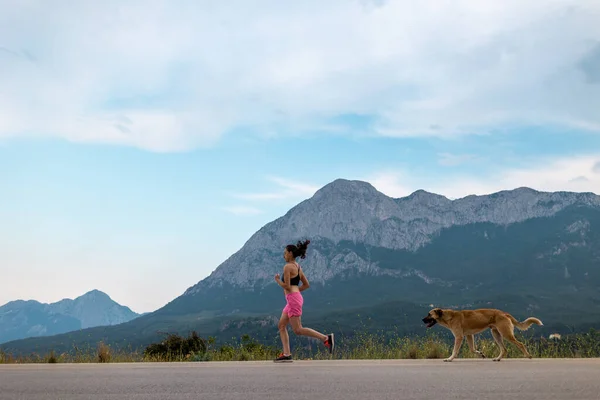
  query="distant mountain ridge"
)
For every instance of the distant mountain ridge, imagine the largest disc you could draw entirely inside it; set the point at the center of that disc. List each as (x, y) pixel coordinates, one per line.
(522, 250)
(29, 318)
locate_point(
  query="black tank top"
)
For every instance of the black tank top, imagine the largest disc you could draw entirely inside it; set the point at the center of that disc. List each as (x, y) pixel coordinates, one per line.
(295, 280)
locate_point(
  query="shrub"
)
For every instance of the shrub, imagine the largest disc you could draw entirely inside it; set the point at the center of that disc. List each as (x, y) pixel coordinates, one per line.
(51, 358)
(176, 347)
(103, 355)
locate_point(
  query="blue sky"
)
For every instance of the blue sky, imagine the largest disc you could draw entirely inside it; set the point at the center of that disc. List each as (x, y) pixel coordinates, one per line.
(143, 143)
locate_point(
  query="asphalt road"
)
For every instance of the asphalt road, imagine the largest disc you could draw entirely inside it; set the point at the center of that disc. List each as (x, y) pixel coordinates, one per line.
(316, 380)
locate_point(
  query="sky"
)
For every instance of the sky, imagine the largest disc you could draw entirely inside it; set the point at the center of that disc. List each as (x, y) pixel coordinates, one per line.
(143, 142)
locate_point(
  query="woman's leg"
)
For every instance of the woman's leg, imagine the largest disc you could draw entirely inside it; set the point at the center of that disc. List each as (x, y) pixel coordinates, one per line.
(295, 302)
(302, 331)
(283, 333)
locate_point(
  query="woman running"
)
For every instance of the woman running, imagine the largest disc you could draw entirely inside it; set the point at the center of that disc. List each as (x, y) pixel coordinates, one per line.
(292, 312)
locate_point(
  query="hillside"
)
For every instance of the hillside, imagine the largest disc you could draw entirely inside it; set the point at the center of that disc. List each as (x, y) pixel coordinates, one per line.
(22, 319)
(529, 252)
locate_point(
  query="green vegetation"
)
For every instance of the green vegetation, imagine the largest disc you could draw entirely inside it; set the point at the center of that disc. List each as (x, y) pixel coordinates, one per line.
(176, 348)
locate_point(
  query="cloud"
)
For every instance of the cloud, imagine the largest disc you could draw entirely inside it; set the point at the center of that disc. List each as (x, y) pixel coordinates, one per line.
(452, 160)
(293, 186)
(565, 173)
(187, 73)
(596, 167)
(9, 51)
(286, 189)
(579, 179)
(590, 65)
(544, 174)
(390, 183)
(242, 210)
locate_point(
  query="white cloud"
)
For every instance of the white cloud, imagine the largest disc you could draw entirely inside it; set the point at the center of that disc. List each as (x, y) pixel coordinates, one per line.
(575, 174)
(390, 183)
(185, 73)
(293, 186)
(286, 189)
(242, 210)
(568, 173)
(579, 179)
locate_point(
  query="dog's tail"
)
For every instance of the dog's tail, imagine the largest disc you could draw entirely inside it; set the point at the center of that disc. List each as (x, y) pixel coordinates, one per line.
(524, 325)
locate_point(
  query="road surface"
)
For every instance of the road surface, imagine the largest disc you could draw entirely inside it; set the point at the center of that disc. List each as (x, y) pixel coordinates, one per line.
(316, 380)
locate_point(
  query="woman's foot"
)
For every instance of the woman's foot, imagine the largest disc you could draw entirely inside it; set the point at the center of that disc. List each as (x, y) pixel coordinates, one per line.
(283, 358)
(329, 343)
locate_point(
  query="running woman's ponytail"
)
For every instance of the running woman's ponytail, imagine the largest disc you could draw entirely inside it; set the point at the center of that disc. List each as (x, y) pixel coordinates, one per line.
(299, 249)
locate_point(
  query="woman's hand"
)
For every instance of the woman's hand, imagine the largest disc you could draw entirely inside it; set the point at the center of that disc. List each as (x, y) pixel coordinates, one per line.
(284, 285)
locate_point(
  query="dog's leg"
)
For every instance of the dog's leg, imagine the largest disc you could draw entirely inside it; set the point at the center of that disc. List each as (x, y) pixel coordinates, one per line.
(507, 331)
(499, 341)
(471, 343)
(457, 343)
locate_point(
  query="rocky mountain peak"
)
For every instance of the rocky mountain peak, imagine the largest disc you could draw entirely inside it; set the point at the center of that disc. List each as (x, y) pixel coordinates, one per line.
(94, 295)
(347, 187)
(422, 198)
(355, 211)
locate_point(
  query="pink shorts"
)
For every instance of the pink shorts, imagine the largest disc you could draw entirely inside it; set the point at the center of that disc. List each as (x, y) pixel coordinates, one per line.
(293, 308)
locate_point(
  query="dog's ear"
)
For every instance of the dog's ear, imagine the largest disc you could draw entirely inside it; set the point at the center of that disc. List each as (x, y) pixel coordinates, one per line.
(439, 312)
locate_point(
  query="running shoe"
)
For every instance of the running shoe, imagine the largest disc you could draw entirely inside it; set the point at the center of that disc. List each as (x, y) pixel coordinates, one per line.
(283, 358)
(329, 343)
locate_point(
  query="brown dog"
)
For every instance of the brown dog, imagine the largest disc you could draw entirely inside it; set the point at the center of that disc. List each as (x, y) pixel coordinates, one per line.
(466, 323)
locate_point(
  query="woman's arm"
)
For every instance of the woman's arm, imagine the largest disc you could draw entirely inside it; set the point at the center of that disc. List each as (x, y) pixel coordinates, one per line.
(286, 277)
(305, 284)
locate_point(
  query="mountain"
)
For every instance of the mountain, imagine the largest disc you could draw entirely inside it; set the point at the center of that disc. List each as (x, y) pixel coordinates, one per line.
(359, 235)
(22, 319)
(349, 211)
(529, 252)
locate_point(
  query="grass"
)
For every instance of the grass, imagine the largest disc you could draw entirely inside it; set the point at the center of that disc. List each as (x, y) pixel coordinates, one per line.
(362, 346)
